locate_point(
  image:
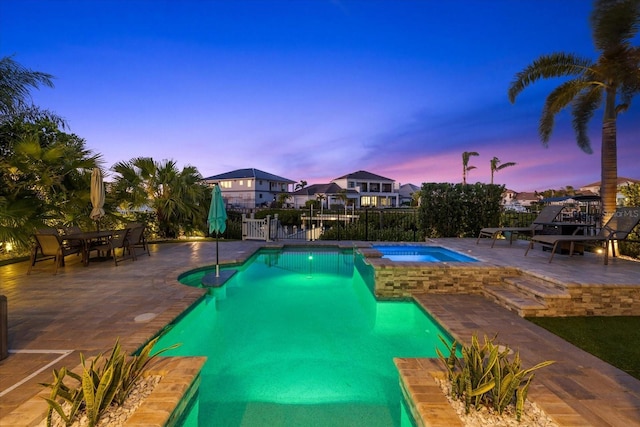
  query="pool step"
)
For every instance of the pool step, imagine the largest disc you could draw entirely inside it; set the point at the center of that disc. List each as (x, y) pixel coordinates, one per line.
(529, 296)
(315, 415)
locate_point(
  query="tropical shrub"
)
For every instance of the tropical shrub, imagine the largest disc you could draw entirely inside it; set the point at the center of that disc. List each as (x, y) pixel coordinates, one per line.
(458, 210)
(103, 382)
(486, 376)
(631, 247)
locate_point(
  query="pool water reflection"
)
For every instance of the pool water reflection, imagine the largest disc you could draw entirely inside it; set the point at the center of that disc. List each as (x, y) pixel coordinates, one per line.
(297, 338)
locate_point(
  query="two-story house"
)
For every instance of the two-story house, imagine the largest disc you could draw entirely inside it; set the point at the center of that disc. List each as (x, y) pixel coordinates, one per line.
(360, 189)
(249, 188)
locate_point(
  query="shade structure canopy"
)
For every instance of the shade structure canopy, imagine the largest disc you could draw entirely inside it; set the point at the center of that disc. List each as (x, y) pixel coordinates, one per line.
(217, 220)
(97, 195)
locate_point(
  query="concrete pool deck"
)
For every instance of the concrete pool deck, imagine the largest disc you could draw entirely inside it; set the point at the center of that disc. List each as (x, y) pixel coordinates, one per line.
(84, 309)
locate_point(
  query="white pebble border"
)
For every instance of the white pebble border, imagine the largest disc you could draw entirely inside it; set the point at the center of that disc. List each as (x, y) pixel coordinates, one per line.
(533, 416)
(114, 416)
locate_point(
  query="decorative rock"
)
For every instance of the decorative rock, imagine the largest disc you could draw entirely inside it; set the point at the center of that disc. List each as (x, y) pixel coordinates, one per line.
(114, 416)
(532, 415)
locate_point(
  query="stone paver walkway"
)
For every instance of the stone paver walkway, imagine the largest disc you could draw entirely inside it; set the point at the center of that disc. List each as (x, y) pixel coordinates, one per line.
(85, 309)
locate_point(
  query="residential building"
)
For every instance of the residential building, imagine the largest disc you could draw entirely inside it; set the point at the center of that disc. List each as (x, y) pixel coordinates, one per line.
(406, 194)
(622, 181)
(328, 194)
(372, 190)
(520, 202)
(358, 189)
(250, 188)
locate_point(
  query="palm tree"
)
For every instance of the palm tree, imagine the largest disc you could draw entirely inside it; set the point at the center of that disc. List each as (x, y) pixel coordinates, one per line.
(495, 168)
(300, 185)
(610, 81)
(465, 164)
(15, 84)
(44, 181)
(282, 199)
(177, 197)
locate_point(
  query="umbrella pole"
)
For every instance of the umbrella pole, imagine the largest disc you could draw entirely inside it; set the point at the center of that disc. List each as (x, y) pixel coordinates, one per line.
(217, 259)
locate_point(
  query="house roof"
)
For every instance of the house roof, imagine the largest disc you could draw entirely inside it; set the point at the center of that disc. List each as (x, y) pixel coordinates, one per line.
(314, 189)
(621, 180)
(526, 196)
(407, 190)
(249, 173)
(366, 176)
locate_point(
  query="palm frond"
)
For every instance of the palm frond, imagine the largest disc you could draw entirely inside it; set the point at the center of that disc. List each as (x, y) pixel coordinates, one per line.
(556, 101)
(547, 66)
(505, 165)
(583, 109)
(614, 23)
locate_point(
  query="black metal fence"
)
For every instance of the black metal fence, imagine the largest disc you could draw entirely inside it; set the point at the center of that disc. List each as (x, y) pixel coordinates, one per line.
(337, 224)
(370, 224)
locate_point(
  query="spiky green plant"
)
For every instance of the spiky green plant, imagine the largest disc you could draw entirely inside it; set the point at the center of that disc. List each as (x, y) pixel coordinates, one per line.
(104, 381)
(485, 375)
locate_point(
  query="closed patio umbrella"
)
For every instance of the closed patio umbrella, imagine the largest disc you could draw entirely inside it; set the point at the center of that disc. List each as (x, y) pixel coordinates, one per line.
(97, 196)
(217, 219)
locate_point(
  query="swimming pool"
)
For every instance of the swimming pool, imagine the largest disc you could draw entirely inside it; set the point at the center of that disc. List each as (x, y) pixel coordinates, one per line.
(402, 253)
(297, 338)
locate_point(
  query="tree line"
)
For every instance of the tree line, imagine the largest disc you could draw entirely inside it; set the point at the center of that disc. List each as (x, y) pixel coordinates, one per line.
(45, 170)
(45, 173)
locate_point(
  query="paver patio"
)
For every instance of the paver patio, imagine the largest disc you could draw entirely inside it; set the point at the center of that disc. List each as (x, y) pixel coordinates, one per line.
(84, 309)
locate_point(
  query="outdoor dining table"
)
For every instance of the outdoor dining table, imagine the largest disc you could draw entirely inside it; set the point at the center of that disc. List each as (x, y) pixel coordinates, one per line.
(86, 238)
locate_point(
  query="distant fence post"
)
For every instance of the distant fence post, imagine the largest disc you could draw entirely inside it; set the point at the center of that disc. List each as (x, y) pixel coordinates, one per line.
(366, 224)
(4, 328)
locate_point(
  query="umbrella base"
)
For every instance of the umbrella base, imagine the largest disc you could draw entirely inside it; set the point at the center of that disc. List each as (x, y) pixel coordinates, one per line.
(211, 281)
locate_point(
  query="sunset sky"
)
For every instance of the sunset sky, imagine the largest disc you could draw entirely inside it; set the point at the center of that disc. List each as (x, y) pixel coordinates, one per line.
(313, 90)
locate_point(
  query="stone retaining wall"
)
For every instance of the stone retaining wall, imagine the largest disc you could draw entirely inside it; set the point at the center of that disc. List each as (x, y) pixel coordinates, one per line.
(602, 300)
(394, 280)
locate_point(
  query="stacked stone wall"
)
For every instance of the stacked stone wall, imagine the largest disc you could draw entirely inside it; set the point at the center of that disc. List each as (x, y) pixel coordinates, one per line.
(393, 281)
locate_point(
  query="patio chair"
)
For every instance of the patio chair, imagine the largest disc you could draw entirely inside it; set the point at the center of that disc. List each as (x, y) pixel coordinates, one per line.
(72, 229)
(118, 240)
(547, 215)
(51, 247)
(137, 240)
(619, 226)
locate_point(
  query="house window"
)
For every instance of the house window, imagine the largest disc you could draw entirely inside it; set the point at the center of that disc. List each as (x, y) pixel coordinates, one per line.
(363, 186)
(249, 182)
(374, 188)
(351, 184)
(241, 183)
(386, 188)
(225, 184)
(368, 200)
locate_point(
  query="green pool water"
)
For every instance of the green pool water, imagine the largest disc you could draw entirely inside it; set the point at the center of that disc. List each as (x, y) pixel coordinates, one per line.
(296, 338)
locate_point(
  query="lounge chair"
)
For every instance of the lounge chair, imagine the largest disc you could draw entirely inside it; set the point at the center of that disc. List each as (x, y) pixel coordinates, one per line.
(619, 226)
(547, 215)
(51, 247)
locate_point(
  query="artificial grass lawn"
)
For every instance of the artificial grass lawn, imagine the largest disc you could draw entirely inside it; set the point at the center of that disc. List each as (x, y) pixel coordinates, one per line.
(616, 340)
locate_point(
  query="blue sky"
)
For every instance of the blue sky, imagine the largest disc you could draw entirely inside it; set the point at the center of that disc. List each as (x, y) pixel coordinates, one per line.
(313, 90)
